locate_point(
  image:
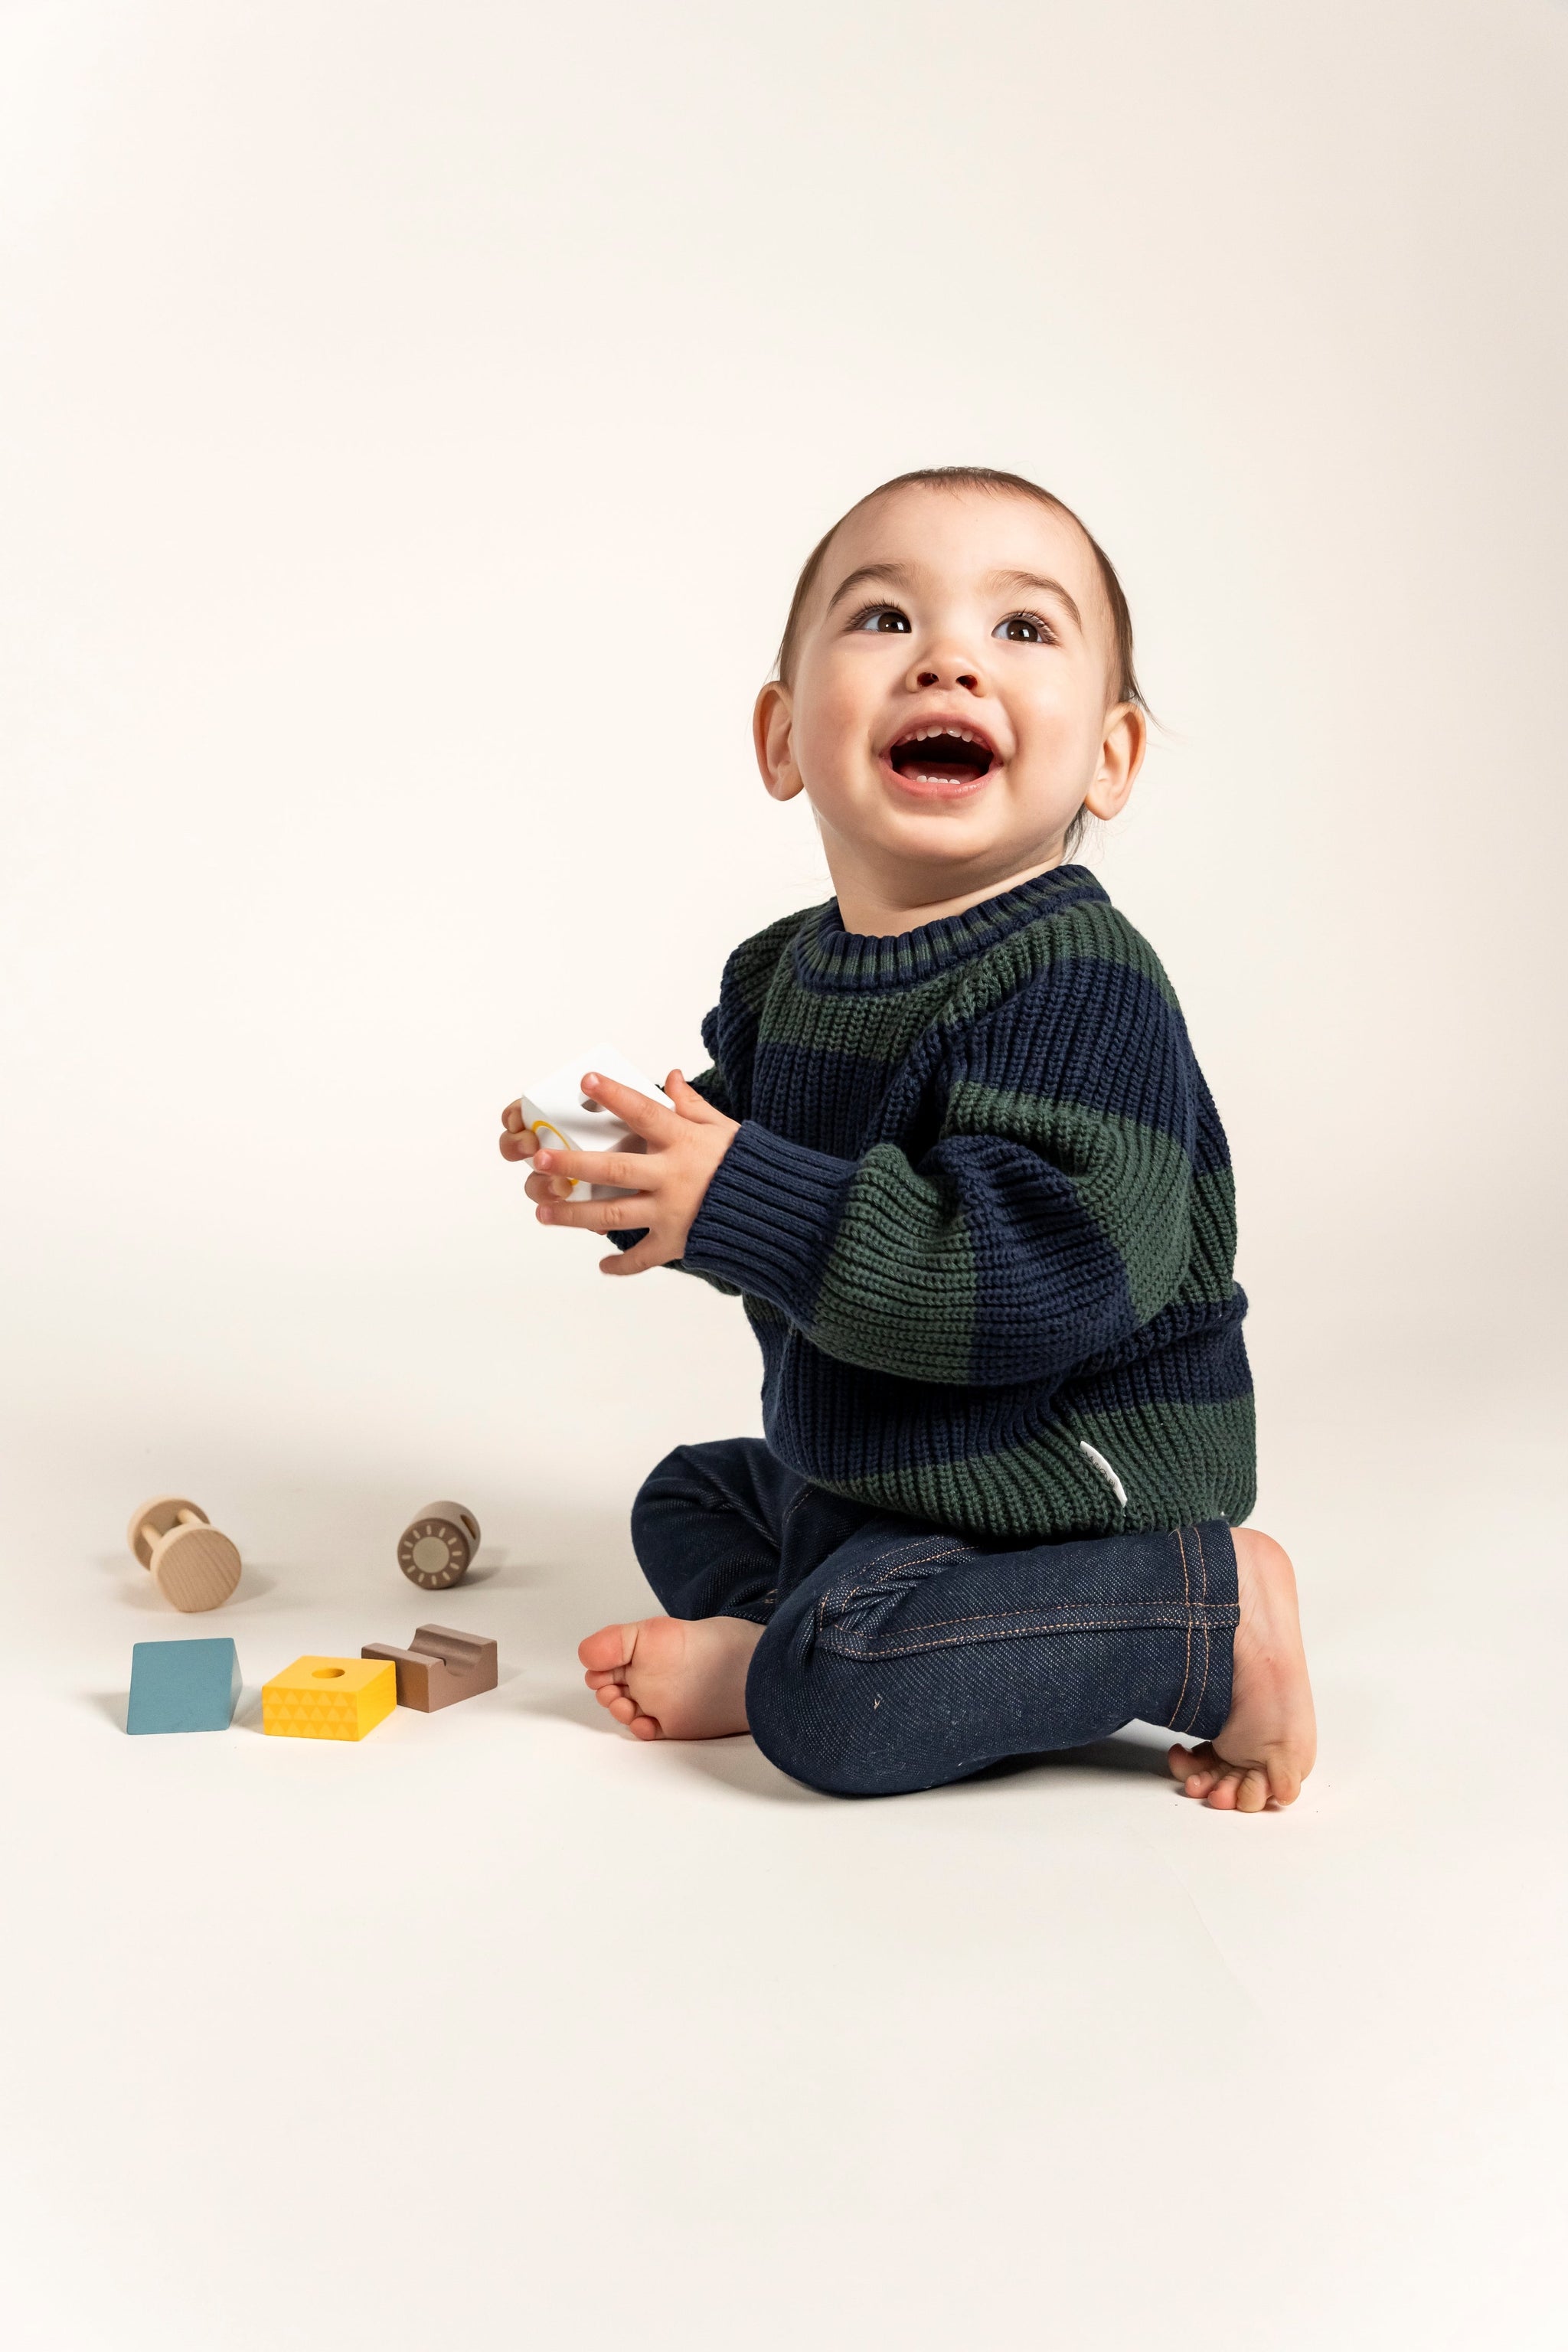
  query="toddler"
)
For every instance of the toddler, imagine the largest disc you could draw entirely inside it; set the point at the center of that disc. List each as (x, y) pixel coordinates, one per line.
(955, 1155)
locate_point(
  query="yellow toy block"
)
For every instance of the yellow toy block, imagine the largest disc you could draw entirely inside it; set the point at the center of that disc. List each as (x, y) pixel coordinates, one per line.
(329, 1698)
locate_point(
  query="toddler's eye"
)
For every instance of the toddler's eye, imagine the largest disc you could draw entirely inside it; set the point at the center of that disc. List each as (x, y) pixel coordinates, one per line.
(1023, 629)
(884, 620)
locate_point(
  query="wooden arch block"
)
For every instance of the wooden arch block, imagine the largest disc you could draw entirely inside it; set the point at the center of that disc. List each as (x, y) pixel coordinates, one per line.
(440, 1667)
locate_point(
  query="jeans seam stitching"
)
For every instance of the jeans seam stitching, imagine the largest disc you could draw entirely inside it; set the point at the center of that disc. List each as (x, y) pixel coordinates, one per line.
(948, 1642)
(906, 1544)
(1203, 1687)
(792, 1507)
(1187, 1669)
(1158, 1612)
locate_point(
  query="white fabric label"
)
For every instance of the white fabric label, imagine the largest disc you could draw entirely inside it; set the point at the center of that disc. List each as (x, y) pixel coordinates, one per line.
(1106, 1472)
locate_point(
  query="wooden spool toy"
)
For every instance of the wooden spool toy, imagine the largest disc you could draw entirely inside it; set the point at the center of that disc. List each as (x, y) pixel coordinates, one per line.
(193, 1565)
(436, 1547)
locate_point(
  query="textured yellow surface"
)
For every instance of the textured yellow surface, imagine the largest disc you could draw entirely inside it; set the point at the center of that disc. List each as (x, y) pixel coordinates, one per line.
(329, 1698)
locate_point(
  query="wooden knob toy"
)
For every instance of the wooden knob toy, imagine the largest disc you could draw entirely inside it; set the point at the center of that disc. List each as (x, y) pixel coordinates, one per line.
(436, 1547)
(193, 1565)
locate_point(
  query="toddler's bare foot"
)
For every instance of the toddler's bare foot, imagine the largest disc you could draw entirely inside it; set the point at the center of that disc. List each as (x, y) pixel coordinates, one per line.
(673, 1677)
(1269, 1738)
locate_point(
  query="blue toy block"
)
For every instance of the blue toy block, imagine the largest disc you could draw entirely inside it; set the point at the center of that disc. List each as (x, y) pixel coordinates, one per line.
(182, 1686)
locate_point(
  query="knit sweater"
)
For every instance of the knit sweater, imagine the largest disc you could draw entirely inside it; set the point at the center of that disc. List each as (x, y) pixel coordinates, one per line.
(981, 1213)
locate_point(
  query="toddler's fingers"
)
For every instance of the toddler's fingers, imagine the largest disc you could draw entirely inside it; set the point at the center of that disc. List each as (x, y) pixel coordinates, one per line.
(640, 1112)
(547, 1188)
(629, 1168)
(596, 1216)
(688, 1102)
(635, 1260)
(517, 1141)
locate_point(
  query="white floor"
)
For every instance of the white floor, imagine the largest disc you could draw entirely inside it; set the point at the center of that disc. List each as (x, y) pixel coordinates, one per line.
(498, 2027)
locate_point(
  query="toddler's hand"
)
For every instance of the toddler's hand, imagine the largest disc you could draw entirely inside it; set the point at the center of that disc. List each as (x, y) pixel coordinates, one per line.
(684, 1146)
(519, 1142)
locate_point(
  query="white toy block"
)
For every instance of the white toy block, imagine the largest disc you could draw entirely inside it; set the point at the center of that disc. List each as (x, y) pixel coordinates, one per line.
(565, 1119)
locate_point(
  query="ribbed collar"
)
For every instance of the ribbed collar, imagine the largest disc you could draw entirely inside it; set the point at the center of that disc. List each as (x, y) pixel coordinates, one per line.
(827, 956)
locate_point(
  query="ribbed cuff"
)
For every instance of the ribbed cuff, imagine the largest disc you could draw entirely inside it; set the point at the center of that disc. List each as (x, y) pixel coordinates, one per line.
(768, 1219)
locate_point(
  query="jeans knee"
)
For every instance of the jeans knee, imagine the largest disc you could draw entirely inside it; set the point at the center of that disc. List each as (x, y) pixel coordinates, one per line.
(701, 1539)
(813, 1721)
(675, 1479)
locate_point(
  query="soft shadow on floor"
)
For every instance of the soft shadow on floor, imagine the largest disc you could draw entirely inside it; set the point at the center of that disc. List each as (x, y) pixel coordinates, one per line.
(579, 1707)
(1121, 1752)
(493, 1565)
(111, 1705)
(739, 1764)
(137, 1590)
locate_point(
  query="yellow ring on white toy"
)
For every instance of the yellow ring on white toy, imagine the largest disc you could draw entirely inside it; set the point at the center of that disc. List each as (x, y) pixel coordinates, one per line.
(579, 1184)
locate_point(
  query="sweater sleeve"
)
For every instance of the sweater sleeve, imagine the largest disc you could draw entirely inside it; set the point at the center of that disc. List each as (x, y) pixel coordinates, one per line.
(1040, 1228)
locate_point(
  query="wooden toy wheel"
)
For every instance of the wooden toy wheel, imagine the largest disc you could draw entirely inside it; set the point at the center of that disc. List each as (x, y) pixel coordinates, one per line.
(438, 1547)
(155, 1519)
(193, 1567)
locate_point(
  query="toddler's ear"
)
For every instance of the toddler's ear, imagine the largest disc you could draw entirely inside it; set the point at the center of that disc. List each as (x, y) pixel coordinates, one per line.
(1120, 757)
(772, 723)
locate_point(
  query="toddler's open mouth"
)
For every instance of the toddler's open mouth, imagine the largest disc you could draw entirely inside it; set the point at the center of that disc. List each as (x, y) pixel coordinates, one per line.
(950, 757)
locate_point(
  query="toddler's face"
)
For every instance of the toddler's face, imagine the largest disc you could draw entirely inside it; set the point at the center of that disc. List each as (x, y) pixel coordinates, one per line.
(950, 711)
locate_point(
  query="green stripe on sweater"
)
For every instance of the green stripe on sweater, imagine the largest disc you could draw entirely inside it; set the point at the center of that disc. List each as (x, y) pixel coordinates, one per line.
(1134, 1181)
(1179, 1461)
(877, 1303)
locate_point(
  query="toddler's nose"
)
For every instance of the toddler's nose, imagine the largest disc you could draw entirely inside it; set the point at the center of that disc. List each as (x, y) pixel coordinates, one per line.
(942, 668)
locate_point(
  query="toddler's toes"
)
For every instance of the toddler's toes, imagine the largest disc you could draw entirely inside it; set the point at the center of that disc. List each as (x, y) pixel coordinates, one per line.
(625, 1708)
(608, 1650)
(1244, 1788)
(1197, 1769)
(1228, 1788)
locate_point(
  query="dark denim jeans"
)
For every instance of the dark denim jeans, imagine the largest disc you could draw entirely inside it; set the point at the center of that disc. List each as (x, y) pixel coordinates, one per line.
(898, 1657)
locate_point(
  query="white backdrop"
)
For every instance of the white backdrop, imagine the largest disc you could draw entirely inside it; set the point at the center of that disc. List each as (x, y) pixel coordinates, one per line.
(415, 417)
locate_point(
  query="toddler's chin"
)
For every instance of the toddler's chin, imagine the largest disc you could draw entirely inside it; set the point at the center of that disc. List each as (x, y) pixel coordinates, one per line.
(951, 839)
